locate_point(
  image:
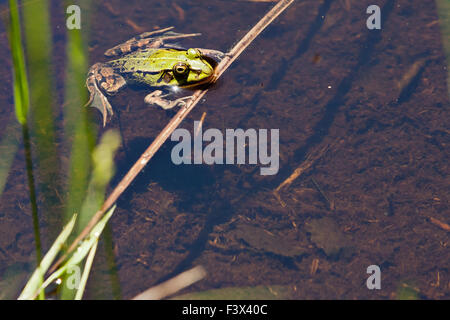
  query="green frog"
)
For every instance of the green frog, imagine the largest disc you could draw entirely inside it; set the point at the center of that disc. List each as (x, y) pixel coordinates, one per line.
(149, 60)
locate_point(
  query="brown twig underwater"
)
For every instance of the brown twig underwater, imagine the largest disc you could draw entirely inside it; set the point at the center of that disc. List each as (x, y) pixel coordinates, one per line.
(175, 122)
(309, 161)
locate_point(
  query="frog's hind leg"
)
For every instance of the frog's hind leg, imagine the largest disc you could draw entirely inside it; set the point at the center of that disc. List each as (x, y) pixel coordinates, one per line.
(147, 40)
(102, 76)
(97, 99)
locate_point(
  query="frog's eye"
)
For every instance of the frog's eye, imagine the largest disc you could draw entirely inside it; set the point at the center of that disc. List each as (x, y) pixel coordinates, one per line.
(192, 53)
(180, 68)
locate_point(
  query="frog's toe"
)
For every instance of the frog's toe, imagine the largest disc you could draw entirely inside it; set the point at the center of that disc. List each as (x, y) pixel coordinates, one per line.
(154, 97)
(105, 108)
(99, 101)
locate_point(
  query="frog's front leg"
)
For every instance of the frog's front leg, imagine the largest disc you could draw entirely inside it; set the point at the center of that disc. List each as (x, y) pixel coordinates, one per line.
(102, 77)
(156, 97)
(147, 40)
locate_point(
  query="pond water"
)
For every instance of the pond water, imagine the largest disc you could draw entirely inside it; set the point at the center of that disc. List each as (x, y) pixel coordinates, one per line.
(363, 155)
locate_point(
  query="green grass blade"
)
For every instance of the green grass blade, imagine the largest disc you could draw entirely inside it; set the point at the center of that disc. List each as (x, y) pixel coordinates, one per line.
(86, 271)
(77, 125)
(86, 245)
(103, 170)
(35, 281)
(21, 104)
(83, 249)
(20, 82)
(78, 255)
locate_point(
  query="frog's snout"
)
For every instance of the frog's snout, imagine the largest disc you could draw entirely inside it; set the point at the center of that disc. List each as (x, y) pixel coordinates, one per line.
(208, 70)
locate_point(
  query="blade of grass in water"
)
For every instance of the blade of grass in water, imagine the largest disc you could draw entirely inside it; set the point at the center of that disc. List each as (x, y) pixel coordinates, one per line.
(103, 158)
(21, 104)
(103, 171)
(34, 283)
(38, 36)
(82, 250)
(32, 287)
(21, 90)
(86, 271)
(77, 124)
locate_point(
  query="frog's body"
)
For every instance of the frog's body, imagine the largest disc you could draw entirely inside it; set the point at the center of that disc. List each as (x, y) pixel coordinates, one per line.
(143, 60)
(155, 67)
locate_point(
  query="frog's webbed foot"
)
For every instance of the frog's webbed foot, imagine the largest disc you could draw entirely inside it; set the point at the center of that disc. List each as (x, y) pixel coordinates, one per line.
(147, 40)
(101, 76)
(156, 97)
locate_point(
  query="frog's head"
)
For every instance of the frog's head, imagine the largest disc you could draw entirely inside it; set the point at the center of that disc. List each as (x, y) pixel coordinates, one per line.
(193, 68)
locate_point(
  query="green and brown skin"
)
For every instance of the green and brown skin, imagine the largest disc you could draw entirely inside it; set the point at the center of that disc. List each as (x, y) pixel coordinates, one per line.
(147, 60)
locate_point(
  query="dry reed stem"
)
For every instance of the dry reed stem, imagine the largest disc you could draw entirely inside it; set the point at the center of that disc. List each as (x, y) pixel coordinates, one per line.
(175, 122)
(305, 165)
(177, 283)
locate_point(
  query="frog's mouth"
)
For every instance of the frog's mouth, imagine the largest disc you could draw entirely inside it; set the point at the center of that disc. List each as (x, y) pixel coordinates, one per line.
(203, 81)
(209, 61)
(194, 77)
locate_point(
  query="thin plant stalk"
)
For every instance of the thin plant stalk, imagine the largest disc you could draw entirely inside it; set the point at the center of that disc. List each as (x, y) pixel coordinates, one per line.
(22, 105)
(32, 190)
(230, 57)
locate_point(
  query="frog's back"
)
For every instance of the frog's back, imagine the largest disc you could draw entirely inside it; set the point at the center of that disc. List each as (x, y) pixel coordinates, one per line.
(148, 60)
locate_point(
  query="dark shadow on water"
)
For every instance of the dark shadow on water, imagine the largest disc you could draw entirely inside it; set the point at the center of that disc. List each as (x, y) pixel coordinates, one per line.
(314, 28)
(185, 180)
(322, 127)
(202, 181)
